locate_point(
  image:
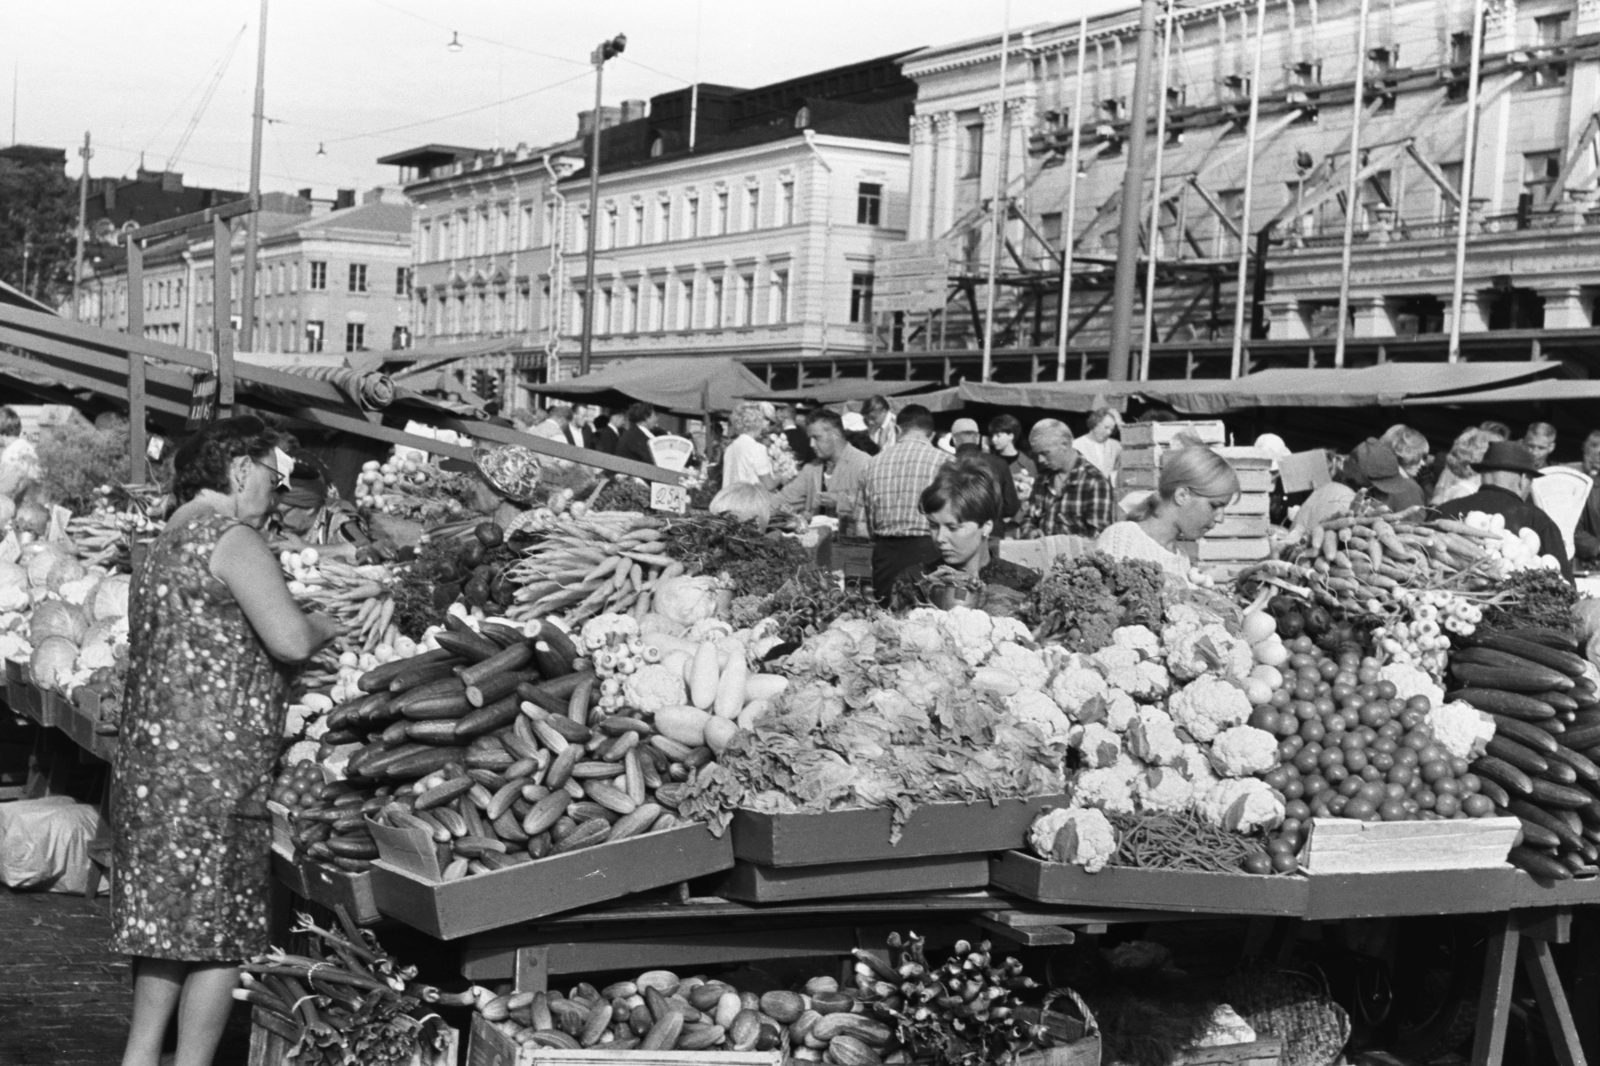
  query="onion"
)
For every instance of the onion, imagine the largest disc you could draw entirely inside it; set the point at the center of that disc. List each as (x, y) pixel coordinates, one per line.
(1258, 691)
(1270, 652)
(1270, 674)
(1258, 626)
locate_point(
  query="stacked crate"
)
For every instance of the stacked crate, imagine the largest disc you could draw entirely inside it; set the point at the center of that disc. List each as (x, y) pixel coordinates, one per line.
(1239, 539)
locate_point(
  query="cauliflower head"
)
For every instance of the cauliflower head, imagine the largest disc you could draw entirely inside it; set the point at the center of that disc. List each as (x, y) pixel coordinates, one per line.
(654, 686)
(1098, 745)
(1243, 750)
(970, 630)
(1461, 729)
(1208, 705)
(1041, 711)
(1110, 788)
(1080, 836)
(1196, 650)
(1153, 737)
(1024, 664)
(1005, 628)
(604, 630)
(1163, 790)
(1195, 764)
(686, 600)
(1079, 689)
(1144, 680)
(1242, 805)
(1411, 681)
(1137, 638)
(1121, 711)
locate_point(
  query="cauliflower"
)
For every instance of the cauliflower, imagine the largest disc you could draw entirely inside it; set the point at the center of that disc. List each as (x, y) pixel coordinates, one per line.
(301, 751)
(1139, 639)
(1162, 790)
(708, 629)
(1244, 750)
(1153, 737)
(1040, 710)
(97, 656)
(1024, 664)
(1109, 788)
(1080, 836)
(1207, 706)
(1411, 681)
(1080, 689)
(685, 600)
(970, 630)
(1143, 680)
(1195, 650)
(1243, 805)
(654, 686)
(1195, 765)
(1008, 629)
(604, 630)
(1114, 657)
(1461, 729)
(1121, 711)
(1098, 745)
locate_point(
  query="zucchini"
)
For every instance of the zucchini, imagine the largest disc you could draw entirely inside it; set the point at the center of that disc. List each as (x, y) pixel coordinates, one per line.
(1560, 773)
(1586, 699)
(379, 765)
(1518, 755)
(1583, 765)
(1529, 678)
(493, 689)
(426, 674)
(341, 736)
(560, 641)
(1539, 863)
(550, 662)
(1581, 738)
(1568, 662)
(1550, 638)
(377, 679)
(1589, 814)
(1523, 733)
(1502, 773)
(1550, 794)
(1577, 863)
(1498, 701)
(469, 646)
(394, 733)
(432, 730)
(448, 705)
(1553, 726)
(504, 661)
(504, 636)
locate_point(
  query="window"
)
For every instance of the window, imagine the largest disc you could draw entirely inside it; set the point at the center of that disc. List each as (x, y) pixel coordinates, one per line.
(502, 229)
(663, 220)
(313, 336)
(686, 304)
(527, 238)
(658, 306)
(786, 203)
(580, 230)
(722, 213)
(423, 321)
(480, 231)
(402, 281)
(869, 203)
(400, 338)
(972, 162)
(318, 277)
(501, 320)
(544, 304)
(425, 249)
(1232, 203)
(747, 300)
(752, 207)
(523, 309)
(1050, 228)
(1539, 173)
(630, 309)
(778, 297)
(637, 234)
(714, 305)
(549, 223)
(1443, 209)
(861, 297)
(608, 239)
(480, 313)
(355, 336)
(358, 277)
(1550, 31)
(691, 218)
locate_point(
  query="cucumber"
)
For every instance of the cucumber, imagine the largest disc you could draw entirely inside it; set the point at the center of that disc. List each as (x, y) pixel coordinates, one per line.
(1539, 863)
(491, 716)
(1529, 678)
(496, 688)
(1568, 662)
(1497, 795)
(377, 679)
(550, 662)
(449, 705)
(1580, 738)
(1553, 726)
(1550, 638)
(1502, 773)
(504, 661)
(468, 646)
(1577, 863)
(1518, 755)
(422, 763)
(503, 636)
(1537, 835)
(1563, 703)
(426, 674)
(1583, 765)
(1560, 773)
(379, 765)
(1530, 736)
(432, 730)
(559, 640)
(1550, 794)
(1497, 701)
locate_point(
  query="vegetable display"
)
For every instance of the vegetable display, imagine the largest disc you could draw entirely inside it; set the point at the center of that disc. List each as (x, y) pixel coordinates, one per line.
(600, 563)
(1082, 600)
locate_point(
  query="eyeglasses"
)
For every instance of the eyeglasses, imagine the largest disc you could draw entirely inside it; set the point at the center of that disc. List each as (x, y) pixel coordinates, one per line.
(280, 479)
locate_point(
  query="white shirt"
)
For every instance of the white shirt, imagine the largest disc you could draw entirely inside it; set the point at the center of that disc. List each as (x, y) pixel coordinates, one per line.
(745, 461)
(1128, 540)
(1103, 454)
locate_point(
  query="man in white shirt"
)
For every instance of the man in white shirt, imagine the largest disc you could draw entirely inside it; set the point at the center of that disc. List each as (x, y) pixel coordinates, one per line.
(880, 421)
(745, 459)
(1098, 445)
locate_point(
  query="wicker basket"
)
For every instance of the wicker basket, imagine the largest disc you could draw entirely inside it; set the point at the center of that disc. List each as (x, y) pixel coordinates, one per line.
(1080, 1035)
(1296, 1008)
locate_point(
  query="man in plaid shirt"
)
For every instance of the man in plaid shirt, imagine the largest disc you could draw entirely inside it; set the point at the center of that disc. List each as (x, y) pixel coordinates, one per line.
(891, 493)
(1071, 494)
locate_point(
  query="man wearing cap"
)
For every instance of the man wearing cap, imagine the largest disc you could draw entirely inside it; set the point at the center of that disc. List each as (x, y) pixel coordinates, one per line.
(1508, 470)
(968, 442)
(1372, 468)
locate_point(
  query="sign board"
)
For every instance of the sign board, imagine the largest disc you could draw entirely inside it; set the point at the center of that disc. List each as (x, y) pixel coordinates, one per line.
(911, 294)
(1304, 471)
(674, 498)
(202, 401)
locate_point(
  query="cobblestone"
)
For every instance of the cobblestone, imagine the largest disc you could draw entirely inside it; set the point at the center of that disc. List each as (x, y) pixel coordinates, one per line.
(65, 997)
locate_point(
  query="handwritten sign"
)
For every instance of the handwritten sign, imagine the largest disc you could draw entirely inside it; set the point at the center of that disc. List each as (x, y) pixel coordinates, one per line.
(674, 498)
(202, 401)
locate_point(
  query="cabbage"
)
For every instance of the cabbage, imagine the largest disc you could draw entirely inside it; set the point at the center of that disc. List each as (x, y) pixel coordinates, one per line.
(32, 518)
(110, 599)
(67, 570)
(44, 560)
(12, 576)
(686, 600)
(53, 618)
(53, 661)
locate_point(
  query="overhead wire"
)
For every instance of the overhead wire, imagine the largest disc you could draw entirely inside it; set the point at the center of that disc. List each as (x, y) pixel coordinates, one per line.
(478, 37)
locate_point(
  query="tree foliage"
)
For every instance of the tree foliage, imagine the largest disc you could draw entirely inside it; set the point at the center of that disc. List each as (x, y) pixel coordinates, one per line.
(37, 214)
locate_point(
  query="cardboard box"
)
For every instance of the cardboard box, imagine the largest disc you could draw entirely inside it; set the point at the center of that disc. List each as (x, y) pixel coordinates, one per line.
(479, 902)
(1181, 891)
(327, 885)
(1348, 845)
(751, 883)
(488, 1046)
(1151, 434)
(863, 835)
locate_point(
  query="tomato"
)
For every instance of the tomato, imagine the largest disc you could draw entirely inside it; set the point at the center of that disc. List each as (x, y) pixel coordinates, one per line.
(1285, 863)
(1328, 669)
(1264, 718)
(1419, 703)
(1380, 759)
(1257, 862)
(1375, 714)
(1478, 806)
(1360, 808)
(1370, 772)
(1433, 771)
(1279, 846)
(1312, 730)
(1336, 772)
(1289, 747)
(1448, 786)
(1459, 768)
(1281, 698)
(1306, 759)
(1351, 787)
(1386, 690)
(1446, 805)
(1355, 760)
(1276, 778)
(1296, 810)
(1401, 775)
(1392, 811)
(1424, 798)
(1404, 756)
(1314, 784)
(1336, 806)
(1294, 789)
(1470, 784)
(1288, 725)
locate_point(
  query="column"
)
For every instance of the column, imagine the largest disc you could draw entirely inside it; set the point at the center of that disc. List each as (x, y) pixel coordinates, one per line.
(946, 132)
(1494, 126)
(1371, 316)
(989, 168)
(1023, 115)
(1287, 322)
(1565, 308)
(1473, 320)
(921, 185)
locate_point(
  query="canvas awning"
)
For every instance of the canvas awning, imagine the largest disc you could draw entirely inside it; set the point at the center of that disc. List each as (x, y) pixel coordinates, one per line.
(684, 385)
(1552, 390)
(842, 390)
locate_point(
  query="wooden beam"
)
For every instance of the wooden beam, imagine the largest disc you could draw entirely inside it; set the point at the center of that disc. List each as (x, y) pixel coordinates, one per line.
(1216, 208)
(92, 336)
(558, 449)
(1553, 1006)
(231, 209)
(49, 351)
(377, 431)
(1434, 174)
(135, 365)
(1494, 999)
(1570, 163)
(72, 379)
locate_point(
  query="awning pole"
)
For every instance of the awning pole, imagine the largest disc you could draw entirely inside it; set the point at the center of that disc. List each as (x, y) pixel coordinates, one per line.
(1154, 237)
(1069, 226)
(1126, 279)
(1464, 192)
(1353, 188)
(1237, 366)
(997, 204)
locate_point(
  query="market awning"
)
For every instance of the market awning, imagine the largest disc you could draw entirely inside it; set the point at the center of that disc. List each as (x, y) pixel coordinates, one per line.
(1552, 390)
(684, 385)
(842, 390)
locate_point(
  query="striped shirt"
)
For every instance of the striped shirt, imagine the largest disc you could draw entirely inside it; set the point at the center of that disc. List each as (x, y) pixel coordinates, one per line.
(893, 485)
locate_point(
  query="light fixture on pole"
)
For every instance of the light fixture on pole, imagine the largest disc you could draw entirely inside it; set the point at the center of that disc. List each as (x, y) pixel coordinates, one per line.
(320, 149)
(455, 42)
(606, 50)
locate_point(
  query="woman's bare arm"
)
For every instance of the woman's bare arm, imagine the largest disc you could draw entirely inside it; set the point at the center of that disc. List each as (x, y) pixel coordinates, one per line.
(244, 563)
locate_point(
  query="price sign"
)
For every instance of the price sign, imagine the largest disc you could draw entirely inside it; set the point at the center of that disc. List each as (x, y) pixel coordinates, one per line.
(202, 401)
(674, 498)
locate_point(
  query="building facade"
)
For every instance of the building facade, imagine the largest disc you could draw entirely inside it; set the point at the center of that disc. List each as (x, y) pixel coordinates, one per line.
(1531, 209)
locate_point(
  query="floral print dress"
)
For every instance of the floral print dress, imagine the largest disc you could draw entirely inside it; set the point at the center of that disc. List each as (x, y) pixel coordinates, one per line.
(200, 735)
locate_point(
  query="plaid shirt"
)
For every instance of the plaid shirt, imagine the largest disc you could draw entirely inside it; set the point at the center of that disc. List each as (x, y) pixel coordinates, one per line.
(1077, 502)
(893, 484)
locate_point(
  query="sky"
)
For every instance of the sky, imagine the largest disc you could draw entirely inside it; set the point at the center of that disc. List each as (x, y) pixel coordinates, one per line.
(348, 81)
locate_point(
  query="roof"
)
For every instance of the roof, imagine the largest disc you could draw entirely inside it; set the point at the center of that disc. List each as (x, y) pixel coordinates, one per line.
(1545, 391)
(675, 384)
(375, 217)
(428, 156)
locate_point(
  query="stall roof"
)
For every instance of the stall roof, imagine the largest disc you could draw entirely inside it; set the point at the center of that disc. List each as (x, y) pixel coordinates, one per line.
(675, 384)
(842, 390)
(1550, 390)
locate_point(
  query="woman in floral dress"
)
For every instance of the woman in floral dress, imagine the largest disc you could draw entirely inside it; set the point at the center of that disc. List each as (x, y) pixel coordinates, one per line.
(211, 626)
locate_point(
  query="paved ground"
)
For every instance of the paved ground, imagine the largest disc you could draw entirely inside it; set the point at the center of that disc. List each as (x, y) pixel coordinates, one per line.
(64, 997)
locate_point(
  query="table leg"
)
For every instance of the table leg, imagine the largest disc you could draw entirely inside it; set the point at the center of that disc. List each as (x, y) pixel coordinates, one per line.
(1494, 1001)
(533, 969)
(1541, 967)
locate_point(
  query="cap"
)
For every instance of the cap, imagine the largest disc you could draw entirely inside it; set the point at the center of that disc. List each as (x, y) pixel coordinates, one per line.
(965, 425)
(853, 422)
(1373, 463)
(1508, 455)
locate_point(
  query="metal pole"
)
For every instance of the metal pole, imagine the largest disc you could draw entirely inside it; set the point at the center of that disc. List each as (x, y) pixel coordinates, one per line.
(1154, 238)
(1464, 193)
(1353, 188)
(998, 205)
(1237, 365)
(1122, 292)
(594, 222)
(1069, 226)
(247, 278)
(136, 368)
(83, 213)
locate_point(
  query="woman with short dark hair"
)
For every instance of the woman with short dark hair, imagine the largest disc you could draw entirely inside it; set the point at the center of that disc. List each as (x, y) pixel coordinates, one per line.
(212, 628)
(963, 505)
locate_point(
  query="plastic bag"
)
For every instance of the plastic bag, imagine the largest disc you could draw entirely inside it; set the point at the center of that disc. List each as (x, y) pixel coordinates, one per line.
(44, 843)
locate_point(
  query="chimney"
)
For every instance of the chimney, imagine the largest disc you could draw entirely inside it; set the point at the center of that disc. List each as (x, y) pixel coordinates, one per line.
(304, 194)
(171, 181)
(635, 109)
(343, 198)
(609, 116)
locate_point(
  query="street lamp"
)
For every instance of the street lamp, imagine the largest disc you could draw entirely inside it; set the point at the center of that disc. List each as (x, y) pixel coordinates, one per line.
(606, 50)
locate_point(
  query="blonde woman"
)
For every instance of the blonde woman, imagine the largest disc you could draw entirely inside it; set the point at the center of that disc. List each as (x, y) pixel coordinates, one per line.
(1196, 486)
(745, 459)
(1458, 479)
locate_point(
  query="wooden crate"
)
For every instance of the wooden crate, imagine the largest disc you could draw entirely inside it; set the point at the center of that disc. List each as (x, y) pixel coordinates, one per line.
(488, 1046)
(1065, 884)
(1347, 845)
(269, 1046)
(1151, 434)
(1231, 549)
(751, 883)
(1267, 1051)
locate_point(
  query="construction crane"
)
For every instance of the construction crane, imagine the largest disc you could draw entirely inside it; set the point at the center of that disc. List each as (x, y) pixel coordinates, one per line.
(205, 101)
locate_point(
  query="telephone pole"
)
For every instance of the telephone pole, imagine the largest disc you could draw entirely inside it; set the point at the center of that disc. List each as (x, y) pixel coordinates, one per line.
(83, 212)
(247, 279)
(1125, 283)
